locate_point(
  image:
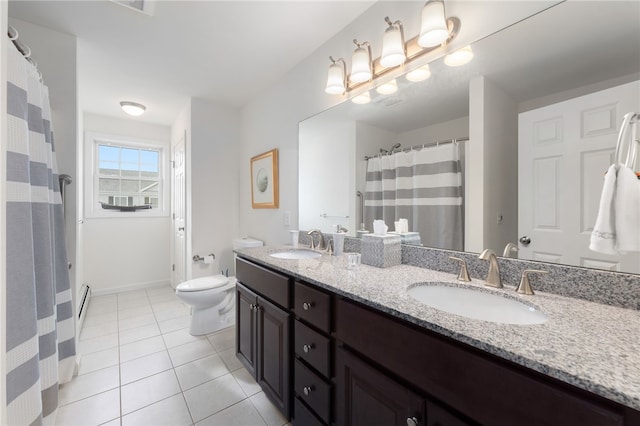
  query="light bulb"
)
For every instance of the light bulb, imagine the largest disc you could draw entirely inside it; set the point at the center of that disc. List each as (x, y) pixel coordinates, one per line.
(361, 99)
(392, 46)
(433, 29)
(419, 74)
(335, 79)
(459, 57)
(388, 88)
(360, 65)
(133, 108)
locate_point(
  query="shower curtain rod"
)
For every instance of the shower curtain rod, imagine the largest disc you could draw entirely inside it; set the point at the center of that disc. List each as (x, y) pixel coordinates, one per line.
(25, 50)
(424, 145)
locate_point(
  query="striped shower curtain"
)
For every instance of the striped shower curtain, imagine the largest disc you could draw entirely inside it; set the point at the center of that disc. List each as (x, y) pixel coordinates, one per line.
(40, 345)
(423, 186)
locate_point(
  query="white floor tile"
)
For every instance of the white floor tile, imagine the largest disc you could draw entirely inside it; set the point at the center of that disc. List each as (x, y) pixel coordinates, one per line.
(174, 324)
(149, 390)
(89, 332)
(98, 344)
(199, 371)
(89, 384)
(223, 339)
(180, 337)
(168, 305)
(135, 322)
(95, 410)
(161, 294)
(267, 410)
(97, 320)
(167, 314)
(213, 396)
(98, 360)
(134, 312)
(139, 333)
(103, 304)
(230, 359)
(132, 295)
(172, 411)
(190, 352)
(240, 414)
(140, 368)
(114, 422)
(124, 305)
(246, 382)
(141, 348)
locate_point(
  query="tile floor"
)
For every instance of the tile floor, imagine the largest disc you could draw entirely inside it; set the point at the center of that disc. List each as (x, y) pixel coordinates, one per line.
(140, 366)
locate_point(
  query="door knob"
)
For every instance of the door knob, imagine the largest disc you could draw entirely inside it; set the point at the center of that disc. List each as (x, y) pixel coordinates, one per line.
(412, 421)
(525, 240)
(181, 228)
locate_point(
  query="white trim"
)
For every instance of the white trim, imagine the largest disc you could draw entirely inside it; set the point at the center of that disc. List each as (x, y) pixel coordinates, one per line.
(93, 210)
(129, 287)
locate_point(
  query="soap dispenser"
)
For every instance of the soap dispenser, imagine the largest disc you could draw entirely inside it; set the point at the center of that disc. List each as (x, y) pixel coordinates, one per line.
(338, 240)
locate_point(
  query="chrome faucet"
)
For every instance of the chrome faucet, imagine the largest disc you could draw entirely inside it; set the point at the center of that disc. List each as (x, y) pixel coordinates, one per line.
(463, 275)
(493, 277)
(320, 245)
(508, 249)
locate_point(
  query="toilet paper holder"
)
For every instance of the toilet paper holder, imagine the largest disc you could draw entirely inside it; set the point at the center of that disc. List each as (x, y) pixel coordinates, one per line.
(198, 258)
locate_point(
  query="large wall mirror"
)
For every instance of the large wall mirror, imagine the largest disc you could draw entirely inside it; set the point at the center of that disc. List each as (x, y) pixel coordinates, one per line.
(562, 77)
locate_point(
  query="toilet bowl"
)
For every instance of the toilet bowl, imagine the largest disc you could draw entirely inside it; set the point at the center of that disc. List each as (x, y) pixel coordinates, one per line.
(212, 302)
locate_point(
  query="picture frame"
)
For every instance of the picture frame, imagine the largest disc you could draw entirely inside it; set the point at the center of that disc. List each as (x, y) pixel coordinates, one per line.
(264, 180)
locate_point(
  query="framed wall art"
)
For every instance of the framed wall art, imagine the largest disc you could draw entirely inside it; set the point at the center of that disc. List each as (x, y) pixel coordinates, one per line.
(264, 180)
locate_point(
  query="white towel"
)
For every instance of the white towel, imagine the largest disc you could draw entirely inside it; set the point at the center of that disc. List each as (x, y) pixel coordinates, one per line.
(617, 228)
(603, 236)
(627, 210)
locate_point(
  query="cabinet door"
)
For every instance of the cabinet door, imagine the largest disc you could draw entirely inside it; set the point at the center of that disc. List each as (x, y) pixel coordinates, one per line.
(246, 333)
(366, 397)
(274, 352)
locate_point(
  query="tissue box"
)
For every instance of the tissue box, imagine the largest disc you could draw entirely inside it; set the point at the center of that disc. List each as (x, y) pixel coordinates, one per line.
(412, 238)
(381, 251)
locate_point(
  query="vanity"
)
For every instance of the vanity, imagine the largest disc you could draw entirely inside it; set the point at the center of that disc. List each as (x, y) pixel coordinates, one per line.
(351, 347)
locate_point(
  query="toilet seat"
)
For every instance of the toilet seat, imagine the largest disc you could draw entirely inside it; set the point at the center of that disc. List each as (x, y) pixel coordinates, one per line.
(204, 283)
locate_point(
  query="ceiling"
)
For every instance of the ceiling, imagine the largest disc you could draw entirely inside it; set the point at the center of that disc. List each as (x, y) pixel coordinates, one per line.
(227, 52)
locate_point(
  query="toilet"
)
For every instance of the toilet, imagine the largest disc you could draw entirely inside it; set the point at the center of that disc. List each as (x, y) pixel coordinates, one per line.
(212, 298)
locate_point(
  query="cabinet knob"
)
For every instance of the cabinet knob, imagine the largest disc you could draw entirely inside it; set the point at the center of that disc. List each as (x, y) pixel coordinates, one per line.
(307, 305)
(307, 348)
(412, 421)
(307, 390)
(252, 307)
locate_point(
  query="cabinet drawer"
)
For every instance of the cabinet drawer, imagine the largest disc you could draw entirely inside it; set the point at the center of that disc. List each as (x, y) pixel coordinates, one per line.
(313, 390)
(267, 283)
(313, 347)
(313, 306)
(303, 416)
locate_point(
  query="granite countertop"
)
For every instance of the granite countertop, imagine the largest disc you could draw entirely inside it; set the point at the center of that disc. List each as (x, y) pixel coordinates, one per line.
(589, 345)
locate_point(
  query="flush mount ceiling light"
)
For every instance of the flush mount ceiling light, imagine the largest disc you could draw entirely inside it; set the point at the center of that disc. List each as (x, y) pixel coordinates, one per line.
(433, 29)
(388, 88)
(419, 74)
(361, 66)
(393, 47)
(437, 32)
(361, 99)
(133, 108)
(336, 81)
(459, 57)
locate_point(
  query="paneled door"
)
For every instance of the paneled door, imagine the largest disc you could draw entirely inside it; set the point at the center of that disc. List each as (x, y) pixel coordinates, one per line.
(564, 150)
(179, 209)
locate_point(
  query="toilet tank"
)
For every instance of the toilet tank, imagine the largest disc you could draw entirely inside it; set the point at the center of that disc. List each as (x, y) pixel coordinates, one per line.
(240, 243)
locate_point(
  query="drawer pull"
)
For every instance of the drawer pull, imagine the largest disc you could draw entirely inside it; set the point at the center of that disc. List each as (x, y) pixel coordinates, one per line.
(307, 305)
(307, 348)
(412, 421)
(307, 390)
(252, 307)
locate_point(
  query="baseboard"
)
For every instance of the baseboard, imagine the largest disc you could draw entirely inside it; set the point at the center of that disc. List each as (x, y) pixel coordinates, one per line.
(129, 287)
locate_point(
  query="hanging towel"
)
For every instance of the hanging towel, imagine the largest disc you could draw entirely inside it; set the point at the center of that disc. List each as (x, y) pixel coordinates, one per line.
(617, 228)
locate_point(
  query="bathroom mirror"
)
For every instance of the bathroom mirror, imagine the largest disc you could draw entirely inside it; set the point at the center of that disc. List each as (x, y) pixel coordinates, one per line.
(569, 50)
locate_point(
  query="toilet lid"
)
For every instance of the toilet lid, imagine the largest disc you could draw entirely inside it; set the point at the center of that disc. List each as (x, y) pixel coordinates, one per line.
(204, 283)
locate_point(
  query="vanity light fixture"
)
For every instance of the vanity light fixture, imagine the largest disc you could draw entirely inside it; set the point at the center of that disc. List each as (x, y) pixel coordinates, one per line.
(336, 78)
(361, 99)
(361, 65)
(419, 74)
(437, 32)
(393, 48)
(388, 88)
(133, 108)
(433, 29)
(459, 57)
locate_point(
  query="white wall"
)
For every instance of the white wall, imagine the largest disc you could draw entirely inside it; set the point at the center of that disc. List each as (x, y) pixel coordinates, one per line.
(3, 239)
(457, 128)
(127, 252)
(271, 120)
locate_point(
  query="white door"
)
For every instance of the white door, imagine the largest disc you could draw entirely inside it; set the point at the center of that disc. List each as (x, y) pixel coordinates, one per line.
(179, 202)
(563, 152)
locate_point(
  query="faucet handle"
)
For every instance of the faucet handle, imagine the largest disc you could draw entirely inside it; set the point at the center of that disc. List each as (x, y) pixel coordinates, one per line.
(525, 286)
(463, 275)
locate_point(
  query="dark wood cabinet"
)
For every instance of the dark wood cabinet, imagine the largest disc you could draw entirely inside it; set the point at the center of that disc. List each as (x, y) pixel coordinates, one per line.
(246, 328)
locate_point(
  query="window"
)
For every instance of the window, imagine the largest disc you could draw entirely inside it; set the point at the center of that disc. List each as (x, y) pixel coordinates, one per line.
(126, 174)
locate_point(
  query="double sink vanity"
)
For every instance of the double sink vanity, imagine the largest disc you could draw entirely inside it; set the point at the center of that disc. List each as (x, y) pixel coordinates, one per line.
(407, 345)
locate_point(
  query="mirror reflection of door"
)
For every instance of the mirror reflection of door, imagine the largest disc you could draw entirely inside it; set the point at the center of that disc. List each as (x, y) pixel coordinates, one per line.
(564, 150)
(179, 201)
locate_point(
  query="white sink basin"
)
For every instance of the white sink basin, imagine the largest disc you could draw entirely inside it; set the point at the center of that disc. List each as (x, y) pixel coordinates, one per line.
(296, 254)
(476, 304)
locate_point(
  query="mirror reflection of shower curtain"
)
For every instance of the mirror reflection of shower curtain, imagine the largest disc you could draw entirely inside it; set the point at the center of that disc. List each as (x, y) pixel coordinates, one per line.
(40, 345)
(423, 186)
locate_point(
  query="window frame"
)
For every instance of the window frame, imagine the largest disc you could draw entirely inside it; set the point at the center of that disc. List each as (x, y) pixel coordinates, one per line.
(92, 206)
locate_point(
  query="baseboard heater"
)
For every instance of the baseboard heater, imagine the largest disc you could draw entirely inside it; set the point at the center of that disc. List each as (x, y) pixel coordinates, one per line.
(85, 294)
